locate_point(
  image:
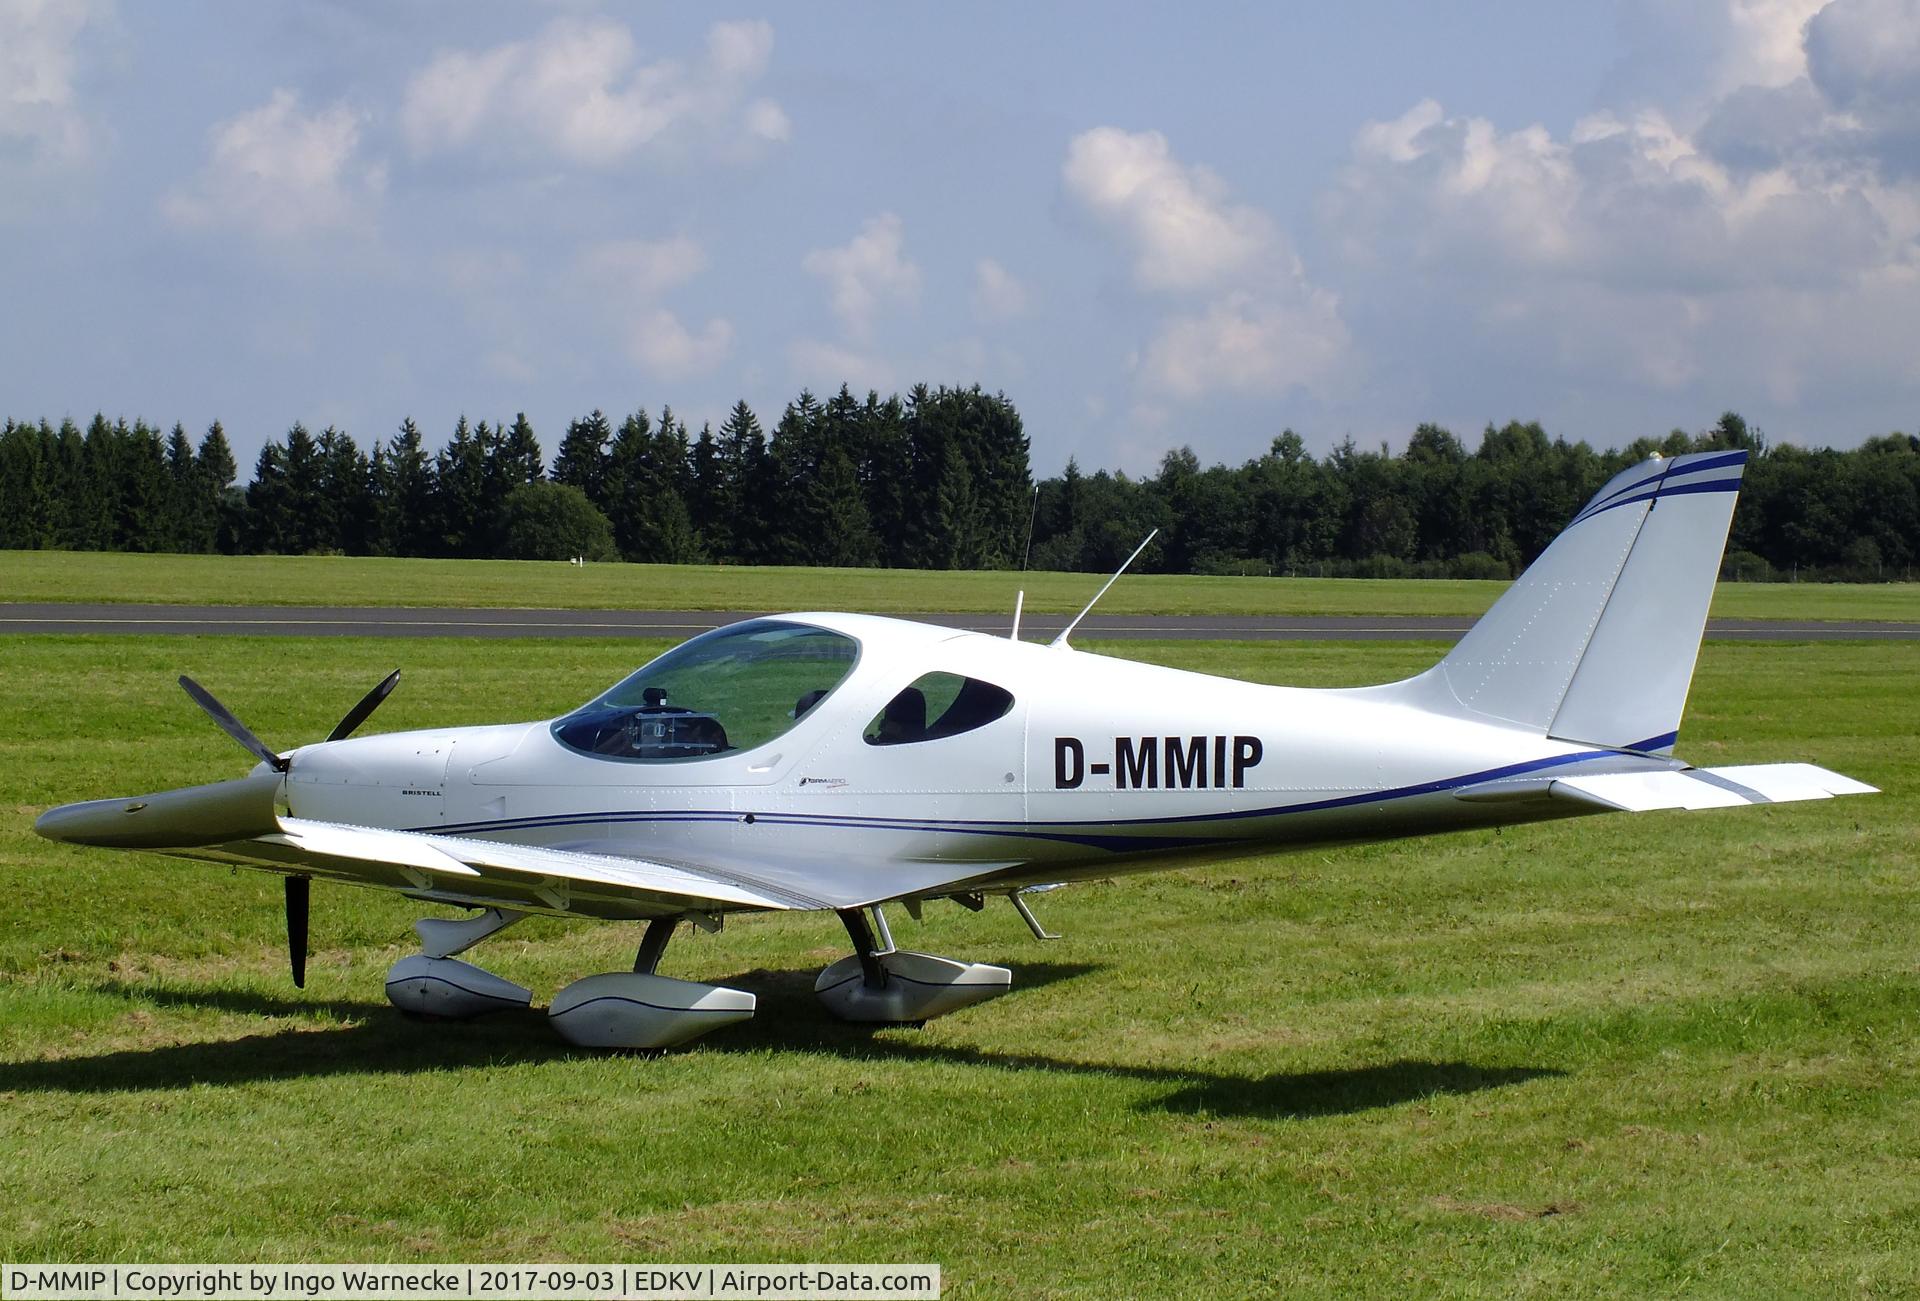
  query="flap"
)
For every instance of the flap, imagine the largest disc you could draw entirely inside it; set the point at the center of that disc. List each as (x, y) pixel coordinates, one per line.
(495, 874)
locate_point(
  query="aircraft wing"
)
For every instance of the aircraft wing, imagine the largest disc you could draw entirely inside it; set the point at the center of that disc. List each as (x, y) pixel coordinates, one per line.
(485, 873)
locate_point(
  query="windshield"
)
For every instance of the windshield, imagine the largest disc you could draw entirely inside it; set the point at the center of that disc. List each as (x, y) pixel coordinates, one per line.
(731, 689)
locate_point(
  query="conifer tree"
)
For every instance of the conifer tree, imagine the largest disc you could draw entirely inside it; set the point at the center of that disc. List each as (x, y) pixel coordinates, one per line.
(308, 521)
(220, 508)
(72, 488)
(886, 475)
(25, 486)
(404, 519)
(703, 496)
(460, 491)
(267, 500)
(629, 486)
(98, 507)
(183, 493)
(140, 488)
(346, 488)
(582, 458)
(740, 496)
(521, 460)
(821, 516)
(497, 479)
(674, 539)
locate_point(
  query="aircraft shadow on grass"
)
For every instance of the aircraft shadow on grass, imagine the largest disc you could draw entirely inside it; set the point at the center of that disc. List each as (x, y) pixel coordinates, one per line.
(374, 1039)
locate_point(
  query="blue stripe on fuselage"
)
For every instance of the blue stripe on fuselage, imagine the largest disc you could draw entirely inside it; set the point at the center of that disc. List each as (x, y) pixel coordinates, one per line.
(1057, 832)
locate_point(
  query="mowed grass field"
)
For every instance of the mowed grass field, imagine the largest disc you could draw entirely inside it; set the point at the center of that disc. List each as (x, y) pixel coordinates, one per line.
(1663, 1054)
(339, 580)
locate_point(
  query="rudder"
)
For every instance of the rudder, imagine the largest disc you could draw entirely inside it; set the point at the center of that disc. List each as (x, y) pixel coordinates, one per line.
(1596, 641)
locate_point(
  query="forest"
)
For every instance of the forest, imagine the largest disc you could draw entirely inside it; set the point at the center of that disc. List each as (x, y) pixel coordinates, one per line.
(939, 479)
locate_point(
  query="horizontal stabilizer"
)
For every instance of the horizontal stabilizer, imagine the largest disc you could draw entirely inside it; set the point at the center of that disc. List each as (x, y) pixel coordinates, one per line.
(1706, 788)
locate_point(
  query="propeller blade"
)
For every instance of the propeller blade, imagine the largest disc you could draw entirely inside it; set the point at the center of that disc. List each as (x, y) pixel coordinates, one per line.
(232, 726)
(368, 703)
(298, 889)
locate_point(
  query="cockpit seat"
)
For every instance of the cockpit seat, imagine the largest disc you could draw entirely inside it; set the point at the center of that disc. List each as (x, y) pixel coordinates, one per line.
(904, 719)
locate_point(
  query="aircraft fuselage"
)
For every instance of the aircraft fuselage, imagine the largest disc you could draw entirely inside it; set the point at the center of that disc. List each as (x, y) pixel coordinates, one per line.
(1135, 764)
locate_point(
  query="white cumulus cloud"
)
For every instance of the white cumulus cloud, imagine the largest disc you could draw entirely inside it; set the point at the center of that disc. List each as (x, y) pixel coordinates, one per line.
(666, 349)
(998, 294)
(767, 120)
(824, 366)
(867, 274)
(1864, 57)
(1248, 344)
(628, 278)
(278, 171)
(1765, 42)
(1763, 240)
(41, 117)
(643, 268)
(580, 88)
(1242, 314)
(1183, 231)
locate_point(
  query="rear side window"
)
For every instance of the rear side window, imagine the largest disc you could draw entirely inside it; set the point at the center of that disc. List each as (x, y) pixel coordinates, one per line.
(935, 706)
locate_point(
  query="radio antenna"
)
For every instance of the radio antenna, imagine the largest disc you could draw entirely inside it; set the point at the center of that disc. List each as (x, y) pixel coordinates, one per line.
(1033, 513)
(1061, 640)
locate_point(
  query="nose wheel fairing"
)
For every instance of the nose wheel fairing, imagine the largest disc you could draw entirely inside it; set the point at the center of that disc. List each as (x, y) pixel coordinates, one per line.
(447, 987)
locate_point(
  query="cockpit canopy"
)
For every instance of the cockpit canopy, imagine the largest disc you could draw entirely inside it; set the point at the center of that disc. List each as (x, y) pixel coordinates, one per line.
(729, 690)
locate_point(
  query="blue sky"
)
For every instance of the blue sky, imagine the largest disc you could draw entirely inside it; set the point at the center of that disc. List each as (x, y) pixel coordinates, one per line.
(1148, 226)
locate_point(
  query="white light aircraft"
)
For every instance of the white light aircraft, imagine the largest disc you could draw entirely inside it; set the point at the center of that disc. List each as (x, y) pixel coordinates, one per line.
(842, 762)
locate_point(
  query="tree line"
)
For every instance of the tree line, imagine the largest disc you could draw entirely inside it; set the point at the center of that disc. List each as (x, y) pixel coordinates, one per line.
(939, 479)
(1440, 510)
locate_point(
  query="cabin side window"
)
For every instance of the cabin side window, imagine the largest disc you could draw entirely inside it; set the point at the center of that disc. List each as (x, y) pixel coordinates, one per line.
(938, 705)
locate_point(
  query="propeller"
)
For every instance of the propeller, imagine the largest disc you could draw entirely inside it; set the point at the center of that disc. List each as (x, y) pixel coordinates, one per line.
(368, 703)
(232, 726)
(299, 888)
(253, 745)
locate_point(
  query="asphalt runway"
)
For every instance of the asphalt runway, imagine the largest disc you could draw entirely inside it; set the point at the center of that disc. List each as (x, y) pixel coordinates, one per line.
(378, 621)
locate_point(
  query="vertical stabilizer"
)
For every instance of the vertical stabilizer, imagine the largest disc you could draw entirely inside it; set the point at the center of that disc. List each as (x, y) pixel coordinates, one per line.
(1596, 642)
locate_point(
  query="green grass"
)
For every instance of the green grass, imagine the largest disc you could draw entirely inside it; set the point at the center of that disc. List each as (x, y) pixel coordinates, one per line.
(339, 580)
(1661, 1054)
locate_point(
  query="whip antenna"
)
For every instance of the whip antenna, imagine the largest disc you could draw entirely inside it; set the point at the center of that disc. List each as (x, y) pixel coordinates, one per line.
(1061, 640)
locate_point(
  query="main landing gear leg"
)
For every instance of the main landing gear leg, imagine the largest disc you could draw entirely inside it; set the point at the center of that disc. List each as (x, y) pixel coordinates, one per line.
(889, 985)
(865, 951)
(642, 1009)
(653, 945)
